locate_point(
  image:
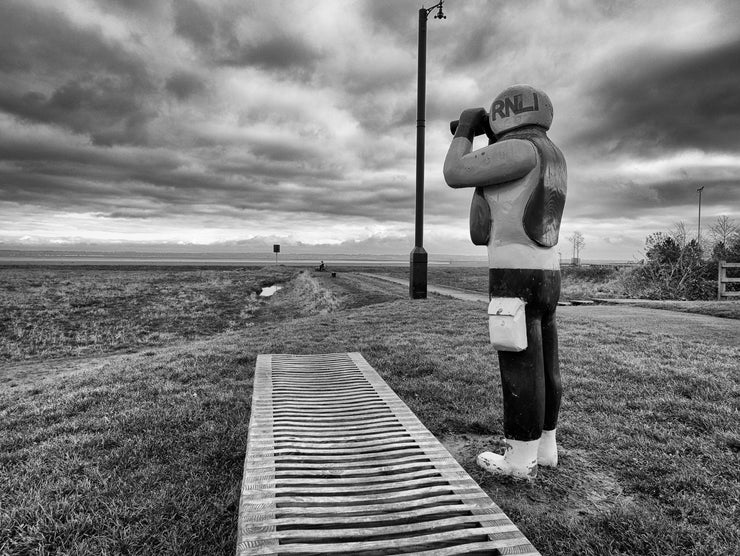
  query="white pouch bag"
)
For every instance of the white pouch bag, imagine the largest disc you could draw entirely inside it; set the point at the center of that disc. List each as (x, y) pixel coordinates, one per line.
(507, 323)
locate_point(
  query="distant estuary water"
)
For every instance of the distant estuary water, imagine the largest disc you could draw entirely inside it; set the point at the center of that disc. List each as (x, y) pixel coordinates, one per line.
(51, 258)
(18, 257)
(269, 291)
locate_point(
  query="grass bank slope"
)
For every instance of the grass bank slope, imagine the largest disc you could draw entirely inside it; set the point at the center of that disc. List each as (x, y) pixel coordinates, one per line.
(142, 453)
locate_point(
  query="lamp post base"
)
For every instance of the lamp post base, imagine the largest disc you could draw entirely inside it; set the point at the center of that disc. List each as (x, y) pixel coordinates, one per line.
(418, 273)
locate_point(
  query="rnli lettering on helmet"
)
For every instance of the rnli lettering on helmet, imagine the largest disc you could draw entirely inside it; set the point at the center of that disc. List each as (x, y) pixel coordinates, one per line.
(504, 107)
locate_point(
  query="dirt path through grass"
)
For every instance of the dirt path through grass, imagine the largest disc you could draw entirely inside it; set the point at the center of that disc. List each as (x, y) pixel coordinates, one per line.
(712, 330)
(31, 374)
(441, 290)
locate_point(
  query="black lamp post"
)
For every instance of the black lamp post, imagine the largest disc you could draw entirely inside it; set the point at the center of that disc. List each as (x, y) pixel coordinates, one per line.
(419, 258)
(698, 228)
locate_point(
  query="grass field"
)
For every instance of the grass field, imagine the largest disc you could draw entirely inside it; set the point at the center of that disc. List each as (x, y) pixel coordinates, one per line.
(131, 447)
(62, 311)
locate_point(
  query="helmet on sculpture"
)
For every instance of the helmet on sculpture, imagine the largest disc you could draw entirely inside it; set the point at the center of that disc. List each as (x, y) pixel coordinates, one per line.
(520, 105)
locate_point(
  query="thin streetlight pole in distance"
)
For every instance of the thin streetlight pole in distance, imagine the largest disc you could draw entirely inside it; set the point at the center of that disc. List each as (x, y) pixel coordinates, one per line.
(698, 229)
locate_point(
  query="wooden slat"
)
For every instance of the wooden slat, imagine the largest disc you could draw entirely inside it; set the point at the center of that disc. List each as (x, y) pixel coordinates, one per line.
(362, 532)
(338, 464)
(384, 508)
(349, 519)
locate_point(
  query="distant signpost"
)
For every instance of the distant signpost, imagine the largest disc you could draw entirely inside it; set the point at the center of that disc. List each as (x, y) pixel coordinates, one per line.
(276, 250)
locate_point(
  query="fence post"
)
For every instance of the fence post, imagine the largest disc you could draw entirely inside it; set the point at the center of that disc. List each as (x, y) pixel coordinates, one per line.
(723, 280)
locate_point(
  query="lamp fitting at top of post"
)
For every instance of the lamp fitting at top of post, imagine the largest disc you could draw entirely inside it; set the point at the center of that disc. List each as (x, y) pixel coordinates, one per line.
(439, 14)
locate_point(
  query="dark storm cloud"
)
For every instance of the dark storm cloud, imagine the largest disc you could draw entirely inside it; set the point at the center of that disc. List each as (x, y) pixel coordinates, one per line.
(665, 197)
(483, 39)
(65, 177)
(53, 191)
(377, 115)
(134, 8)
(341, 199)
(282, 152)
(656, 101)
(133, 5)
(251, 35)
(271, 172)
(101, 89)
(108, 108)
(184, 84)
(80, 177)
(94, 189)
(193, 22)
(52, 152)
(48, 43)
(140, 214)
(394, 17)
(277, 52)
(182, 192)
(264, 152)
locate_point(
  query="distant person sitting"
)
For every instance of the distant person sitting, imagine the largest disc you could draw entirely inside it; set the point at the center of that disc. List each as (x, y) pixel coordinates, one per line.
(322, 266)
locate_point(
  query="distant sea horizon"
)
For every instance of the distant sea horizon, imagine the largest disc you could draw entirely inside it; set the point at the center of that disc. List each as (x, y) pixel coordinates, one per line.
(122, 258)
(53, 257)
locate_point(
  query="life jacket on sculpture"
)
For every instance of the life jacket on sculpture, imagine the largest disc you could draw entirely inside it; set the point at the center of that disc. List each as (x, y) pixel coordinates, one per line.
(544, 210)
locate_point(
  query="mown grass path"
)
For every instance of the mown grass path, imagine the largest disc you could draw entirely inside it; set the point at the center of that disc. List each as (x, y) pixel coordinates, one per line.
(705, 328)
(693, 327)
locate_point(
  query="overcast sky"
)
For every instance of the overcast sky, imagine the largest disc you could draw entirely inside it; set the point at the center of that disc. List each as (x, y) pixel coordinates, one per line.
(246, 123)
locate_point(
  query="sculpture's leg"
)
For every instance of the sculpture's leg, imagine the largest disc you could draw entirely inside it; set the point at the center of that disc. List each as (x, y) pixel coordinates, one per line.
(523, 384)
(547, 454)
(530, 379)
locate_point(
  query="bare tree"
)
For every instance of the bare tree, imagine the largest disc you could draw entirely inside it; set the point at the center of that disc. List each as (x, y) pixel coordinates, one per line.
(724, 230)
(579, 243)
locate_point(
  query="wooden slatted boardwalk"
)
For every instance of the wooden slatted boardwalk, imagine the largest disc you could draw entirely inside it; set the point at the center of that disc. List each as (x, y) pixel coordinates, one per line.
(338, 464)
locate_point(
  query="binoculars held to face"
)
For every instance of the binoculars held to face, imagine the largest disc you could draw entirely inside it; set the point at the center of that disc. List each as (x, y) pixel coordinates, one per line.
(484, 128)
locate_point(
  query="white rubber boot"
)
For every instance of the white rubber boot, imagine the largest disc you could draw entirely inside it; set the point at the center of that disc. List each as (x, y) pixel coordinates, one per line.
(547, 452)
(519, 460)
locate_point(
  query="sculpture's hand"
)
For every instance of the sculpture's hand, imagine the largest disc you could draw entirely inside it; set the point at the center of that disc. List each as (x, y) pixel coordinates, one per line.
(472, 116)
(471, 119)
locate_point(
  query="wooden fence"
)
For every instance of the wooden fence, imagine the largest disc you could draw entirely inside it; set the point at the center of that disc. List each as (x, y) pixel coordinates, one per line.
(723, 280)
